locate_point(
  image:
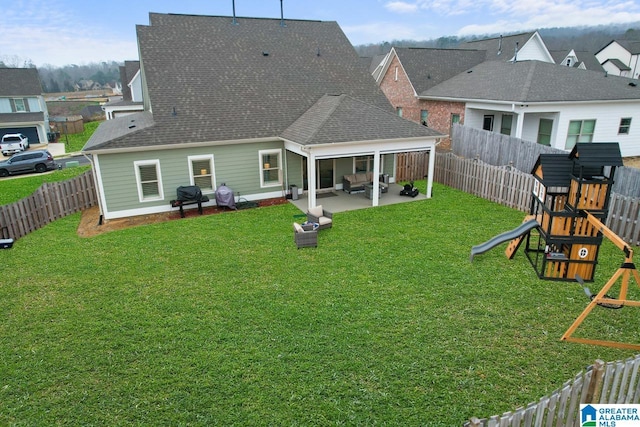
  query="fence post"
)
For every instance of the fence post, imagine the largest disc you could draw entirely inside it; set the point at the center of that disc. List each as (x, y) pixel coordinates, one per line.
(595, 385)
(474, 422)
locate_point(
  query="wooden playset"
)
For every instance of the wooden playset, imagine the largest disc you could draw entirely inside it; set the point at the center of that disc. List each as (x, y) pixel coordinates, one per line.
(569, 203)
(567, 187)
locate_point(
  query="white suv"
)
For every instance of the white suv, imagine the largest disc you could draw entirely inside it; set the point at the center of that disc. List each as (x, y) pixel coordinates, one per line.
(13, 143)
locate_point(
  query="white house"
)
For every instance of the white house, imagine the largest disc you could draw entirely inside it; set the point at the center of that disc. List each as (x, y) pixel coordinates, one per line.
(551, 104)
(621, 58)
(516, 47)
(132, 99)
(22, 106)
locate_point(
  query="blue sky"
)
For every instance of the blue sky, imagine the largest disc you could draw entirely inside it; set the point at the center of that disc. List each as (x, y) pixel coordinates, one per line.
(62, 32)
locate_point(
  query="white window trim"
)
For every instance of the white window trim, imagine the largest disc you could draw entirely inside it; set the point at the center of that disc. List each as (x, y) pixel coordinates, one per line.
(24, 105)
(261, 153)
(136, 166)
(209, 157)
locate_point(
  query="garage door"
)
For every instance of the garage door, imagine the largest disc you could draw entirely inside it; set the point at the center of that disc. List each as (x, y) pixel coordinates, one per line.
(31, 133)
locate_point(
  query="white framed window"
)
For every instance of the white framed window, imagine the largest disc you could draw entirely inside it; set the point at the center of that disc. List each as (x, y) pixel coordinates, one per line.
(545, 129)
(625, 125)
(580, 131)
(201, 172)
(20, 105)
(399, 111)
(270, 168)
(487, 123)
(505, 125)
(149, 180)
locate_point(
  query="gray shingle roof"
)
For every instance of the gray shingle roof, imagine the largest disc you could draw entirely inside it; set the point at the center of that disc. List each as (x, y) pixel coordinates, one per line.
(21, 117)
(341, 118)
(129, 125)
(127, 72)
(494, 45)
(619, 64)
(427, 67)
(556, 169)
(534, 81)
(596, 154)
(20, 82)
(633, 46)
(587, 58)
(211, 80)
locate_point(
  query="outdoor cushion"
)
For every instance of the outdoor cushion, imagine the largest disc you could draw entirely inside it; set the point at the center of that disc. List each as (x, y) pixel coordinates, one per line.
(317, 211)
(297, 227)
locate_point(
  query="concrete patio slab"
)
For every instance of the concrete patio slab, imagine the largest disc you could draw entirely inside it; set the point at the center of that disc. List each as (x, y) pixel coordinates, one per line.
(341, 201)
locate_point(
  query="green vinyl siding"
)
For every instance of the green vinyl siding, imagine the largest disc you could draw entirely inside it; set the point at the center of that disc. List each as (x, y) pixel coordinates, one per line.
(237, 166)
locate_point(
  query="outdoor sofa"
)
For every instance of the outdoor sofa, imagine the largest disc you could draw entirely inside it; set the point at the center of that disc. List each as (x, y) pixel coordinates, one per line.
(357, 181)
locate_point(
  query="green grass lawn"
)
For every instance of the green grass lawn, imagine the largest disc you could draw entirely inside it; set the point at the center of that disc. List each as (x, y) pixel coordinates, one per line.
(76, 141)
(220, 320)
(18, 187)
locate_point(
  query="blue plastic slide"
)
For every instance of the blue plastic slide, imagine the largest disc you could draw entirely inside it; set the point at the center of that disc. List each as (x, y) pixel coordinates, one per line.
(524, 228)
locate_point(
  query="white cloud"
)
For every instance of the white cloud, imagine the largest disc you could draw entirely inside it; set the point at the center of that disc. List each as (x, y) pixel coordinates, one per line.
(401, 7)
(48, 32)
(547, 14)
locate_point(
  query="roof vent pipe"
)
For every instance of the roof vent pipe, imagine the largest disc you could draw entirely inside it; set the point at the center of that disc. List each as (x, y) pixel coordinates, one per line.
(515, 55)
(282, 24)
(500, 46)
(235, 21)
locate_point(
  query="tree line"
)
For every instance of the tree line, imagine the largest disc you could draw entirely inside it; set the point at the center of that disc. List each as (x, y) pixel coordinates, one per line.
(580, 39)
(590, 39)
(69, 77)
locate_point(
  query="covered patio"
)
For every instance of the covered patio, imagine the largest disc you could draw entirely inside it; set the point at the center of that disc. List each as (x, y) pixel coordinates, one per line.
(341, 201)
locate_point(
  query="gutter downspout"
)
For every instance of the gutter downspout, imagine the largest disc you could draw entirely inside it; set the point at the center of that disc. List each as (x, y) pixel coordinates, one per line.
(95, 182)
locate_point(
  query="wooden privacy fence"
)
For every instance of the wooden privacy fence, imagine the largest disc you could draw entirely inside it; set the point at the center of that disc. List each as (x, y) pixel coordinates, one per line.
(499, 150)
(501, 184)
(610, 383)
(412, 166)
(53, 200)
(510, 187)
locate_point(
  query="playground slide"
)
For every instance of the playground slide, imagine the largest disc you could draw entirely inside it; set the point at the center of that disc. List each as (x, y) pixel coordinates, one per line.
(504, 237)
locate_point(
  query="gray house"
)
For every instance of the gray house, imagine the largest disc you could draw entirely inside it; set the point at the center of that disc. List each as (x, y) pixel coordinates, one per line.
(257, 104)
(22, 106)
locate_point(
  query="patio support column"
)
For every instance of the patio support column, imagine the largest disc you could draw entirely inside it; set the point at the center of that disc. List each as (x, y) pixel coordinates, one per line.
(311, 180)
(519, 125)
(375, 200)
(432, 168)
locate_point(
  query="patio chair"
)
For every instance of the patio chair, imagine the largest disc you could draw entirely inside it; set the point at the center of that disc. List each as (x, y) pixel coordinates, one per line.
(322, 217)
(304, 238)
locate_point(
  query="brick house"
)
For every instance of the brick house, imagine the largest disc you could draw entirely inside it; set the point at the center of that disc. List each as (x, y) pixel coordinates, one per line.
(405, 75)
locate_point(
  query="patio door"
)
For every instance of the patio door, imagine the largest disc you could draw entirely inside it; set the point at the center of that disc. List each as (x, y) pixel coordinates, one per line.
(324, 168)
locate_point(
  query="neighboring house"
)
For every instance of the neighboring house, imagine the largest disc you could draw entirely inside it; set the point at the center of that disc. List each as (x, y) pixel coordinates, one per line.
(86, 84)
(621, 58)
(22, 106)
(551, 104)
(527, 98)
(257, 104)
(407, 72)
(516, 47)
(577, 59)
(132, 100)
